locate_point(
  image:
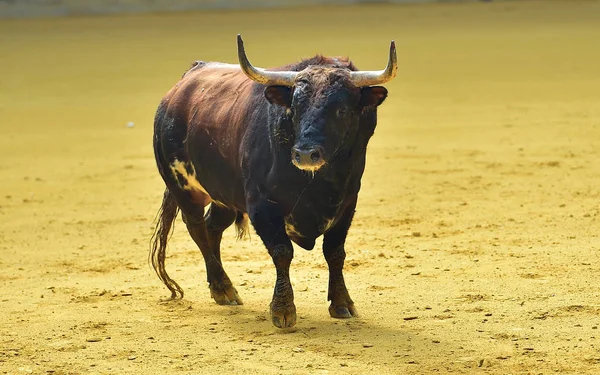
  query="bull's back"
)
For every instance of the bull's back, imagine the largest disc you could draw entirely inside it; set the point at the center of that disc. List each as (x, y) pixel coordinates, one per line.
(199, 135)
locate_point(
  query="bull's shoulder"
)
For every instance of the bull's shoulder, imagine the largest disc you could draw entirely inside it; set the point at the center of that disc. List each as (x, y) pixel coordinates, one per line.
(207, 71)
(205, 81)
(209, 79)
(200, 65)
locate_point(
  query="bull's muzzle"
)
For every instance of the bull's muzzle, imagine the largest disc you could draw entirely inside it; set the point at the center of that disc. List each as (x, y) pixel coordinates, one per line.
(308, 158)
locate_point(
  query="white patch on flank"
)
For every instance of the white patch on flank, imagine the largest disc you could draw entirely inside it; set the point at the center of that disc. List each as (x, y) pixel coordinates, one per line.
(178, 166)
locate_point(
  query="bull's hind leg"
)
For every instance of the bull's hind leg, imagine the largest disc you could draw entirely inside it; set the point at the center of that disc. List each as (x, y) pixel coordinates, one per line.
(342, 305)
(217, 220)
(185, 191)
(192, 198)
(221, 288)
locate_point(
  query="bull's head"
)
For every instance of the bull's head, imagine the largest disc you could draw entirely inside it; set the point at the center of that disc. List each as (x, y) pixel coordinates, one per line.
(325, 103)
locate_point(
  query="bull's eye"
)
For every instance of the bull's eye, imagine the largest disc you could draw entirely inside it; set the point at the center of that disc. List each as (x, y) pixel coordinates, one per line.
(341, 112)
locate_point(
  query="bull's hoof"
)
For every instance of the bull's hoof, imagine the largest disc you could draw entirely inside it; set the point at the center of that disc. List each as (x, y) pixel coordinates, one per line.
(225, 294)
(283, 316)
(343, 311)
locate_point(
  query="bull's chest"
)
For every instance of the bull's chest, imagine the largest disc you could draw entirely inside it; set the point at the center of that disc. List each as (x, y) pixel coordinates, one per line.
(305, 232)
(309, 221)
(313, 210)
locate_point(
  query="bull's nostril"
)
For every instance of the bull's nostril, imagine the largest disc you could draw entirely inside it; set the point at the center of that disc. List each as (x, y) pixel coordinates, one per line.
(311, 158)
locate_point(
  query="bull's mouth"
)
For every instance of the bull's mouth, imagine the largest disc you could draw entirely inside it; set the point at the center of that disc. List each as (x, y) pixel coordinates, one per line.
(308, 158)
(308, 167)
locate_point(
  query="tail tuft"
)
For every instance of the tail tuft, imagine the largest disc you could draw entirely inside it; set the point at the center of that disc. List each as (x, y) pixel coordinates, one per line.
(165, 219)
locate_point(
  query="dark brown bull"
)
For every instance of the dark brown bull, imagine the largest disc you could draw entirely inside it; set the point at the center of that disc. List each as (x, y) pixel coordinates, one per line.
(284, 147)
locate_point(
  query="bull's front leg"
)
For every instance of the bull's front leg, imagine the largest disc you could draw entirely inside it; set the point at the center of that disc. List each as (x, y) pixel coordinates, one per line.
(268, 221)
(342, 305)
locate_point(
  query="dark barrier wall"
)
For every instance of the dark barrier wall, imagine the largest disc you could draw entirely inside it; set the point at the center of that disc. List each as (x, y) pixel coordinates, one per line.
(54, 8)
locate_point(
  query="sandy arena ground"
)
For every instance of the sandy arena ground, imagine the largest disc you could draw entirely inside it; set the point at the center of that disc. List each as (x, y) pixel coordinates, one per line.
(474, 248)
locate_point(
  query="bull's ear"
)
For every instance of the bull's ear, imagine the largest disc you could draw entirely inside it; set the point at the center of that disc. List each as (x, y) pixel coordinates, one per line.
(372, 96)
(280, 95)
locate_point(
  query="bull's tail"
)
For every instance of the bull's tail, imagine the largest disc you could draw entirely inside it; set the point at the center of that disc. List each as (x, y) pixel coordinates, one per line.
(241, 225)
(158, 243)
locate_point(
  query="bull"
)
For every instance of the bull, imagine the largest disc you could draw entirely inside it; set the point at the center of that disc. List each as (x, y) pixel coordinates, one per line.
(283, 148)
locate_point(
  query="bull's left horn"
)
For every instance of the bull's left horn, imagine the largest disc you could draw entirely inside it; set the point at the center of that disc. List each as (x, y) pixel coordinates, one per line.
(260, 75)
(377, 77)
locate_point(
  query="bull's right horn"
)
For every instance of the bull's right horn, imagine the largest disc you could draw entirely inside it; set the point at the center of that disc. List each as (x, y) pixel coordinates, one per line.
(266, 77)
(371, 78)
